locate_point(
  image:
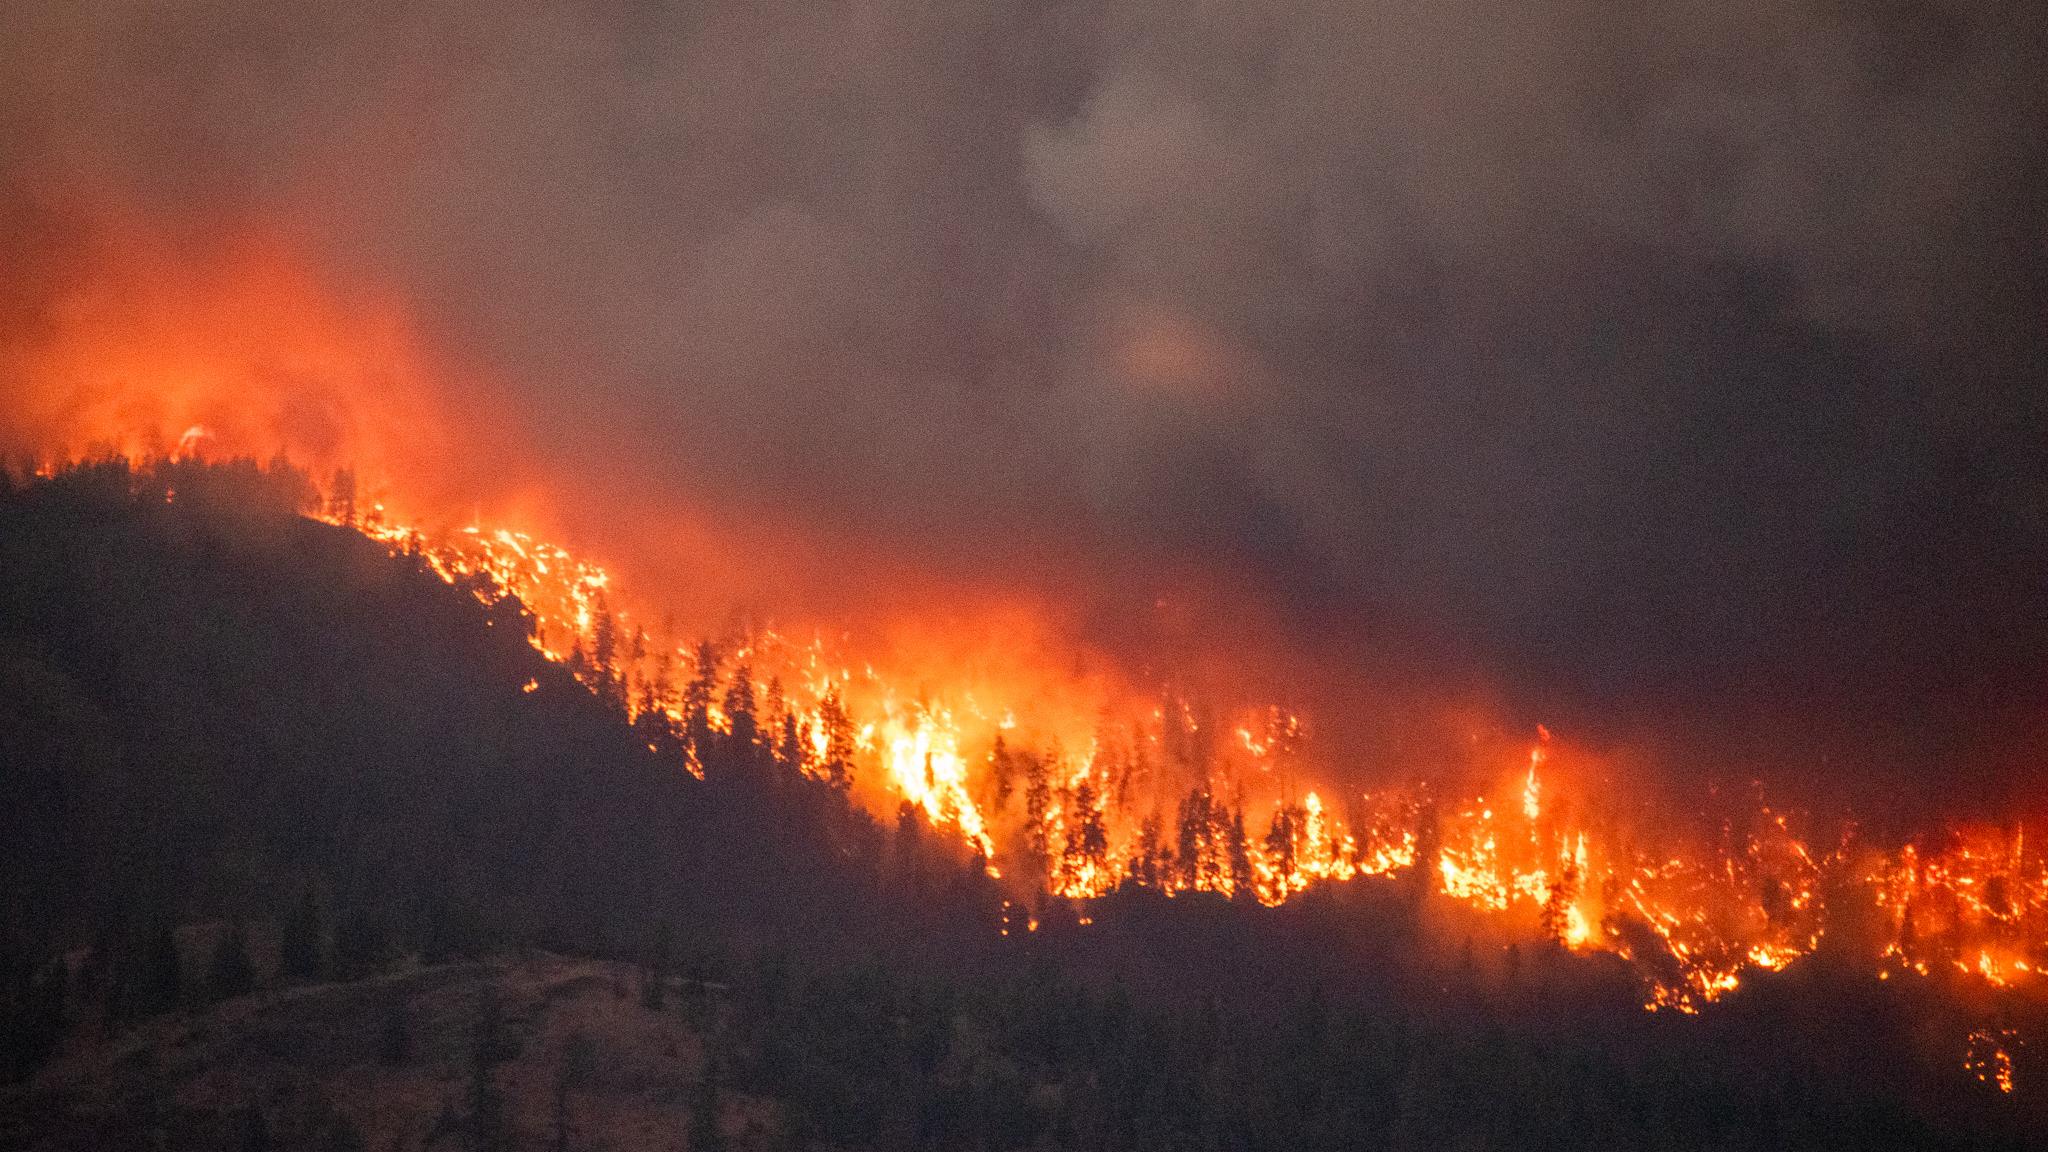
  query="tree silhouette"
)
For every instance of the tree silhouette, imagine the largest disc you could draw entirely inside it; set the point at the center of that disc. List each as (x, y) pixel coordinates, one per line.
(838, 727)
(1557, 905)
(794, 750)
(1195, 853)
(606, 670)
(774, 714)
(1087, 850)
(1425, 879)
(658, 688)
(1281, 838)
(698, 695)
(341, 497)
(1002, 775)
(910, 847)
(1037, 806)
(743, 732)
(1148, 864)
(1239, 856)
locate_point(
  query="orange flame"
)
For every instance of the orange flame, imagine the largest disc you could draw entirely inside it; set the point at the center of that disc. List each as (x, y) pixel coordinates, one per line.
(1100, 782)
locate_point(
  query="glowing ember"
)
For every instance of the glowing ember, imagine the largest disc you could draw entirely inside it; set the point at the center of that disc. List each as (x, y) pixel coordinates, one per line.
(1988, 1057)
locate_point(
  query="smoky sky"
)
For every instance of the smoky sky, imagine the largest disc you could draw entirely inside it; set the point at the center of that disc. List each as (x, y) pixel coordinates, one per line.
(1648, 357)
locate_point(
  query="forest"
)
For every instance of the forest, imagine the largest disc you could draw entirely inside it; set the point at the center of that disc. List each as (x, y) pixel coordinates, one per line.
(256, 759)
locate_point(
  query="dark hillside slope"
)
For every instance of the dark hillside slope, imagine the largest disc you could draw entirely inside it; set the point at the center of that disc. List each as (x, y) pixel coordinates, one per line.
(212, 708)
(268, 787)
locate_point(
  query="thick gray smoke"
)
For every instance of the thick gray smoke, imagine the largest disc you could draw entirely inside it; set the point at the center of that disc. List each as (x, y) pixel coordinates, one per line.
(1652, 357)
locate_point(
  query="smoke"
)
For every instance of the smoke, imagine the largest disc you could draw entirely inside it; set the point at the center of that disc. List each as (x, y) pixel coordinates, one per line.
(1679, 367)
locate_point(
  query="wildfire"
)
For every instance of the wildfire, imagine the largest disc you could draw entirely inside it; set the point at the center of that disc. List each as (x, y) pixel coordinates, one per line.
(1146, 802)
(1695, 922)
(1988, 1057)
(250, 351)
(921, 750)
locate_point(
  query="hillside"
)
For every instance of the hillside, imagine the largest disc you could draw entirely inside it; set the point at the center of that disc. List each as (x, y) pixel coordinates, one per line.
(214, 709)
(546, 1053)
(308, 848)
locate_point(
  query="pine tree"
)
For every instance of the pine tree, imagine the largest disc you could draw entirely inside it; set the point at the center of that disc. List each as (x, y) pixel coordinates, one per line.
(1147, 866)
(341, 498)
(1280, 841)
(1557, 905)
(774, 710)
(1113, 764)
(1426, 878)
(1086, 858)
(298, 494)
(1239, 855)
(794, 748)
(1195, 852)
(1218, 864)
(609, 677)
(655, 698)
(1002, 775)
(910, 847)
(604, 639)
(742, 730)
(1037, 806)
(698, 695)
(838, 740)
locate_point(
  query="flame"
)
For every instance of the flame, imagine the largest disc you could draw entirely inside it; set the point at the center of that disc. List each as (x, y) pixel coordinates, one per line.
(1696, 919)
(190, 443)
(1069, 783)
(150, 344)
(921, 750)
(1988, 1057)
